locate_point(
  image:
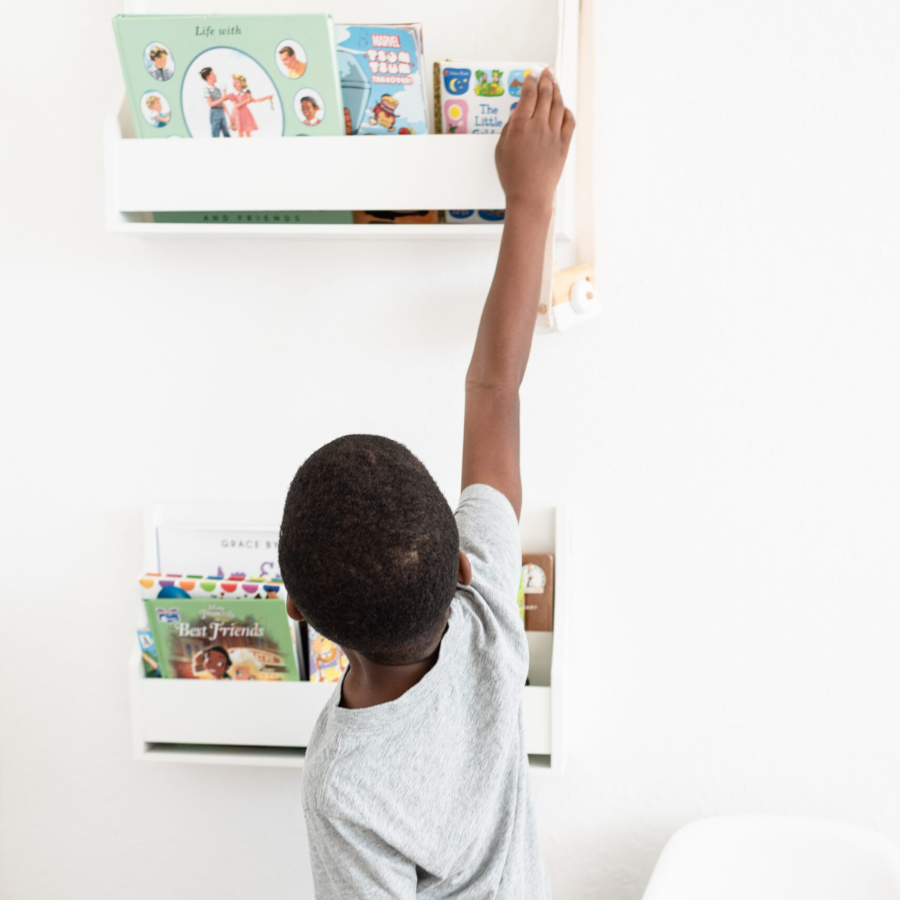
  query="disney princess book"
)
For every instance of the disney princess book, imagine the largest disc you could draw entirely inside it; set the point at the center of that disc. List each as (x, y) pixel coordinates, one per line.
(231, 76)
(212, 628)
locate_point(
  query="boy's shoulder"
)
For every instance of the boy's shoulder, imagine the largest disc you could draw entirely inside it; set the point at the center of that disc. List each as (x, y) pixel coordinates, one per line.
(489, 536)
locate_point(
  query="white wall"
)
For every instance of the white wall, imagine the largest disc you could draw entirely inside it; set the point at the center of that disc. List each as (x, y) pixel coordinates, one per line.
(726, 434)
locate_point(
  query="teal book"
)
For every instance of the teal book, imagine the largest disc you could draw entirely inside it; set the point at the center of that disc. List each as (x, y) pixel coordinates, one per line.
(231, 76)
(237, 640)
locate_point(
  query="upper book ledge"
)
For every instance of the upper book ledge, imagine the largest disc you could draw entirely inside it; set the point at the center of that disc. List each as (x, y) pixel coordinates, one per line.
(420, 172)
(341, 173)
(324, 173)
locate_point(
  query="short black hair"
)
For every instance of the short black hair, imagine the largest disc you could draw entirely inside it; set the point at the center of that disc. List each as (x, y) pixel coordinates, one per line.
(204, 73)
(217, 649)
(369, 549)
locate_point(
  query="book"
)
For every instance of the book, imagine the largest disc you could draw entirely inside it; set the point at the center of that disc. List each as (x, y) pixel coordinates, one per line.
(381, 76)
(537, 586)
(258, 217)
(239, 640)
(326, 659)
(221, 76)
(155, 586)
(383, 87)
(148, 653)
(477, 98)
(396, 217)
(250, 552)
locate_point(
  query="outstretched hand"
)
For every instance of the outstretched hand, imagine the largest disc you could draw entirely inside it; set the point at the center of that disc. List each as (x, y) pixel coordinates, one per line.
(534, 143)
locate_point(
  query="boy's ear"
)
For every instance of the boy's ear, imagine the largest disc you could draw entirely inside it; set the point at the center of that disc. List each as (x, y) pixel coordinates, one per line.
(465, 570)
(292, 610)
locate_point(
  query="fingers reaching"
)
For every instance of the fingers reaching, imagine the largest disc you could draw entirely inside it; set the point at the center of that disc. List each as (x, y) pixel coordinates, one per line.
(544, 96)
(568, 126)
(527, 101)
(557, 108)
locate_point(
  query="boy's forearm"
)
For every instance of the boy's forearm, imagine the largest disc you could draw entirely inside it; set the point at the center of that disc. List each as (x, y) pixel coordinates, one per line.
(507, 323)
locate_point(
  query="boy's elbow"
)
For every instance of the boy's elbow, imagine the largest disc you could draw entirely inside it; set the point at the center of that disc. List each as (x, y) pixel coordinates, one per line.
(494, 378)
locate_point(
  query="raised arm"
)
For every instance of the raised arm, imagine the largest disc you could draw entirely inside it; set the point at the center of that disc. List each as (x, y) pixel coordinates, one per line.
(530, 156)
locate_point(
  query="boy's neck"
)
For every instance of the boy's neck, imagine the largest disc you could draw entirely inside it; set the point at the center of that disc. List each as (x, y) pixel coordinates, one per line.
(369, 683)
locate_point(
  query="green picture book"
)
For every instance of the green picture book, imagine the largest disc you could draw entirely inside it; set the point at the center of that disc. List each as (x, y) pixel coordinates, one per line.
(239, 640)
(231, 76)
(270, 217)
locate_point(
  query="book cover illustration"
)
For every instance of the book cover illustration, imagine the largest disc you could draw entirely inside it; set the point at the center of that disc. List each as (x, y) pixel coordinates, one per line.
(155, 586)
(537, 587)
(326, 659)
(148, 653)
(239, 640)
(381, 79)
(230, 76)
(248, 553)
(477, 98)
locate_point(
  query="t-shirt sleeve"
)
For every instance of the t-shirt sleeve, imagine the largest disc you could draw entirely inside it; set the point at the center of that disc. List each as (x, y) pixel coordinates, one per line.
(350, 862)
(489, 536)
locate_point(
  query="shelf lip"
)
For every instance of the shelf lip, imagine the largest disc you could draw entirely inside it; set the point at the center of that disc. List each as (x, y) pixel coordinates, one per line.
(428, 171)
(404, 232)
(283, 758)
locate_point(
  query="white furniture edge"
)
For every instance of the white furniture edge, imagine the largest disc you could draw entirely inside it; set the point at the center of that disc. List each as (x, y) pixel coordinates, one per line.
(544, 703)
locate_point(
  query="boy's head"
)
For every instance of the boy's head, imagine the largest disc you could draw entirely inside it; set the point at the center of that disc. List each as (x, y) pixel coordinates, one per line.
(160, 56)
(205, 75)
(369, 550)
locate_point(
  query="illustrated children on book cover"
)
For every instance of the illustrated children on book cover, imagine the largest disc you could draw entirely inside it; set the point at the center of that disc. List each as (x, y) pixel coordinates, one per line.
(477, 98)
(191, 63)
(240, 117)
(156, 111)
(215, 99)
(158, 62)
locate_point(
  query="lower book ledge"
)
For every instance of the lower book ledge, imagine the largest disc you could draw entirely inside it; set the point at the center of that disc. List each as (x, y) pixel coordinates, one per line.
(283, 757)
(255, 723)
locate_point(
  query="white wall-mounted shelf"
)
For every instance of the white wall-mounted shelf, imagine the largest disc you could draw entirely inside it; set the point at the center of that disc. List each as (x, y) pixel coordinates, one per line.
(339, 173)
(270, 723)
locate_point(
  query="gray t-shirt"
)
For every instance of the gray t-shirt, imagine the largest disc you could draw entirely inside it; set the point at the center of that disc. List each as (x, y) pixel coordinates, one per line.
(429, 795)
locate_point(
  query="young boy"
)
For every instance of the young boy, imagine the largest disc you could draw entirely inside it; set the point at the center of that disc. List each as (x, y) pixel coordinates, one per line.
(416, 775)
